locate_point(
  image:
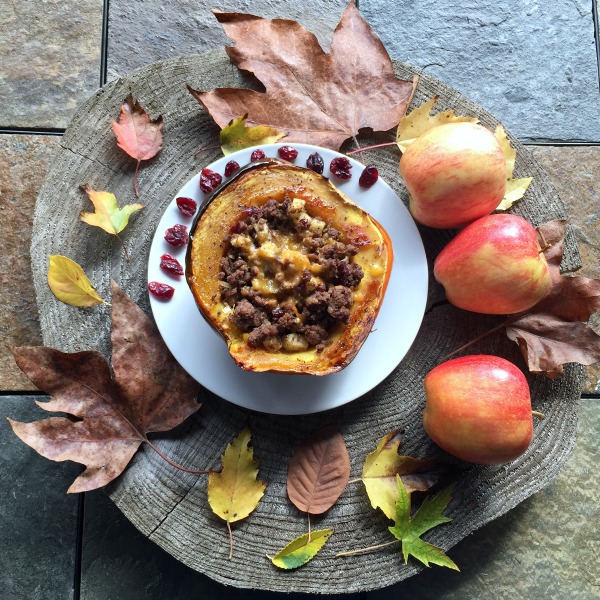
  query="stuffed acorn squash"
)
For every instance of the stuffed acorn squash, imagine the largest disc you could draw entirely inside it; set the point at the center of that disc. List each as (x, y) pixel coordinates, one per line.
(288, 270)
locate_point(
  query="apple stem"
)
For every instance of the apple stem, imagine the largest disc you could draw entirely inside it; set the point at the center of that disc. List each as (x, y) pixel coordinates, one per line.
(474, 341)
(538, 414)
(544, 245)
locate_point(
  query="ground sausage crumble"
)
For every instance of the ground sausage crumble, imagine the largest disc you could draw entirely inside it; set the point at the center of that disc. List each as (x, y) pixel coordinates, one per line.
(287, 277)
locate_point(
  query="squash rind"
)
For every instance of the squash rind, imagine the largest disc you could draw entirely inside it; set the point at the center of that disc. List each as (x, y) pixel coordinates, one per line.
(255, 184)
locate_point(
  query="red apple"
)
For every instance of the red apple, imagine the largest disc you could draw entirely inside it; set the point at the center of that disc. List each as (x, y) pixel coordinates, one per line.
(454, 173)
(479, 409)
(494, 266)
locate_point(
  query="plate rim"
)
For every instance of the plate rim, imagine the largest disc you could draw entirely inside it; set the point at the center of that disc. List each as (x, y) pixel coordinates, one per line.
(242, 402)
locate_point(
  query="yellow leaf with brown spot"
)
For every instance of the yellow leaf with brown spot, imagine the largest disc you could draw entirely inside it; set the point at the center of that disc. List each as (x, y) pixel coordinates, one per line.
(69, 283)
(420, 120)
(383, 465)
(237, 136)
(235, 492)
(107, 215)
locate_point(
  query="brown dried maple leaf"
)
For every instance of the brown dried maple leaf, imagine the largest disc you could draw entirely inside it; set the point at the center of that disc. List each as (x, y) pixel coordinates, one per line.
(108, 418)
(137, 134)
(554, 331)
(317, 98)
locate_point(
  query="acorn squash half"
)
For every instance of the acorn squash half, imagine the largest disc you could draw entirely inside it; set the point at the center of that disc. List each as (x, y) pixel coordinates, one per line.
(211, 238)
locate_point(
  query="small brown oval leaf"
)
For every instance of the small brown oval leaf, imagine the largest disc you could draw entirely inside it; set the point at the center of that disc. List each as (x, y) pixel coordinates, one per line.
(319, 471)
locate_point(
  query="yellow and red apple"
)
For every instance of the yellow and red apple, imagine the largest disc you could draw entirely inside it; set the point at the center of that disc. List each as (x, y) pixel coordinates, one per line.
(494, 266)
(479, 409)
(454, 173)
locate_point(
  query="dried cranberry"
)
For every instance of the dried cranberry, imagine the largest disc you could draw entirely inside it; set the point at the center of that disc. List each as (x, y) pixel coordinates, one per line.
(170, 264)
(287, 153)
(187, 206)
(278, 313)
(250, 211)
(315, 162)
(257, 155)
(236, 228)
(209, 180)
(161, 290)
(368, 177)
(340, 167)
(230, 168)
(177, 235)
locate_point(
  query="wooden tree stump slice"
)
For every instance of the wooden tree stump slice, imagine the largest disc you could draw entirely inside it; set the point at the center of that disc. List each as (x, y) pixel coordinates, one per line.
(169, 506)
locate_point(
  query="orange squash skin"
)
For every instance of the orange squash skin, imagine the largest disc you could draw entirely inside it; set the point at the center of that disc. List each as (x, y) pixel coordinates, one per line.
(254, 185)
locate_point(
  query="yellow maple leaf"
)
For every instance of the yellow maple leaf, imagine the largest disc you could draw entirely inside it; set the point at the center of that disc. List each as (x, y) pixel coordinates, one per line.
(420, 120)
(383, 465)
(510, 154)
(235, 492)
(69, 283)
(237, 136)
(515, 188)
(107, 215)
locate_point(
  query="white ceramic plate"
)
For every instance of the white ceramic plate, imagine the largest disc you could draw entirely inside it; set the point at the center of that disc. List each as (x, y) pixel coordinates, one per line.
(203, 353)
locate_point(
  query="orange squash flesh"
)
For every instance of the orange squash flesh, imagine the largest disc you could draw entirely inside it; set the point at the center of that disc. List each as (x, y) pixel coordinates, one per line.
(254, 185)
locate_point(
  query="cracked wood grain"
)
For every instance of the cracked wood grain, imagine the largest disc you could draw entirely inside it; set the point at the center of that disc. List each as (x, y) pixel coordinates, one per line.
(171, 506)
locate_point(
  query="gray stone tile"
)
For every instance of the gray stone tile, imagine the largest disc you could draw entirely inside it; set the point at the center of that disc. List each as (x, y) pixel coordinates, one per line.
(532, 64)
(547, 547)
(38, 520)
(23, 163)
(121, 564)
(144, 31)
(574, 173)
(50, 57)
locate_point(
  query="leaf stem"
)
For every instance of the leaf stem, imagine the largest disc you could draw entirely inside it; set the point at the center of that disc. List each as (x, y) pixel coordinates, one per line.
(178, 466)
(127, 257)
(199, 152)
(474, 340)
(364, 550)
(135, 185)
(230, 540)
(416, 80)
(370, 148)
(355, 480)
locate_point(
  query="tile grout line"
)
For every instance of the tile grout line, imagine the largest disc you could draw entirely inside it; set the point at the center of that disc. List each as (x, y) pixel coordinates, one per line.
(78, 546)
(36, 393)
(31, 131)
(104, 45)
(58, 132)
(596, 20)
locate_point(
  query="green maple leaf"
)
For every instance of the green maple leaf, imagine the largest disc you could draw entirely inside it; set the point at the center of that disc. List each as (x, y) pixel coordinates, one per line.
(409, 530)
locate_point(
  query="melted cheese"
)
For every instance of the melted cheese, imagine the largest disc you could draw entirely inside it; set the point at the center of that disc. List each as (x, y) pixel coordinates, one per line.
(278, 261)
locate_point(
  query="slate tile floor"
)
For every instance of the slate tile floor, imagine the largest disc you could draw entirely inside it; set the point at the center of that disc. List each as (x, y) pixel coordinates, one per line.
(533, 64)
